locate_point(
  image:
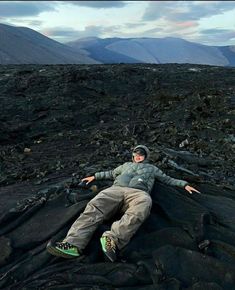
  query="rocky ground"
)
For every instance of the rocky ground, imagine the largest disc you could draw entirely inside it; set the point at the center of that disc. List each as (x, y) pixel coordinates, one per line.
(61, 123)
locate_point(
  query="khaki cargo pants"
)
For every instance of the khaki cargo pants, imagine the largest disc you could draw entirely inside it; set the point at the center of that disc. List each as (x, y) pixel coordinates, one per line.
(135, 205)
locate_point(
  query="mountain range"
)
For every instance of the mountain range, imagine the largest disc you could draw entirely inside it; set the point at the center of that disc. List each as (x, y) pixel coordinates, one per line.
(155, 50)
(22, 45)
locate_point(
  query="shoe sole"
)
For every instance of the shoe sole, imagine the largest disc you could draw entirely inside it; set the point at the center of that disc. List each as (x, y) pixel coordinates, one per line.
(109, 258)
(106, 255)
(53, 251)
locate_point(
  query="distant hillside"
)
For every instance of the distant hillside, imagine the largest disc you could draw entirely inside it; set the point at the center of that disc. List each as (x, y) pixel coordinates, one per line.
(99, 50)
(21, 45)
(155, 50)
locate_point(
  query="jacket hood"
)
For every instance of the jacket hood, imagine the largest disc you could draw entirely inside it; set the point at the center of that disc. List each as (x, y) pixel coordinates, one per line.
(145, 148)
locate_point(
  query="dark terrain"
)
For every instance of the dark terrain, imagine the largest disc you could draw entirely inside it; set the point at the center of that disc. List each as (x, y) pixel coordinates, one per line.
(64, 122)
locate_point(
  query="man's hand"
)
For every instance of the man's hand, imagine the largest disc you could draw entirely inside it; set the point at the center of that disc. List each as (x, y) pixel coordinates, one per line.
(88, 179)
(190, 189)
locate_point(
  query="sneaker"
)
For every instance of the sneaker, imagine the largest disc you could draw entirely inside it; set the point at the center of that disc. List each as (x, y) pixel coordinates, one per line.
(109, 248)
(63, 249)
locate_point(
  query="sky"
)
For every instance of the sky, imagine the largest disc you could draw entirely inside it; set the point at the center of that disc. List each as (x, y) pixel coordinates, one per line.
(206, 22)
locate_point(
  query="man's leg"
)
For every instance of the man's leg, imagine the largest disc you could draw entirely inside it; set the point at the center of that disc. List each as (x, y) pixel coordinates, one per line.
(137, 206)
(101, 207)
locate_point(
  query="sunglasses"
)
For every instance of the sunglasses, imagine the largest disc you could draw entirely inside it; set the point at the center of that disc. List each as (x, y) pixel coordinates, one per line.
(139, 153)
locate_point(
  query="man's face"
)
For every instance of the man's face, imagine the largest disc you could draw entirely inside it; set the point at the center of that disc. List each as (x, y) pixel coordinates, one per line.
(138, 157)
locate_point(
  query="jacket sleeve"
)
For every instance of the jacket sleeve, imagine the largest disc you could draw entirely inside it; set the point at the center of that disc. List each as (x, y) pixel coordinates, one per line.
(160, 175)
(110, 174)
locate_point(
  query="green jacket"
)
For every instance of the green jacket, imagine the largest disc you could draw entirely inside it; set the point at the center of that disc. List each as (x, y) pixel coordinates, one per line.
(138, 175)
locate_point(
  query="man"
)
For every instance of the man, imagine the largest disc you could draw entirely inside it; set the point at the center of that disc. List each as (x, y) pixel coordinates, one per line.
(130, 194)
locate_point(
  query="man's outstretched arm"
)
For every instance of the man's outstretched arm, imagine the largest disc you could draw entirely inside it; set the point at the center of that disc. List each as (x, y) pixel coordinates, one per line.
(104, 175)
(160, 175)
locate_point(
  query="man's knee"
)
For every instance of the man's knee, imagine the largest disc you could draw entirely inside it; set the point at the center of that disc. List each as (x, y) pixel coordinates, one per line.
(98, 200)
(94, 208)
(142, 207)
(146, 200)
(147, 205)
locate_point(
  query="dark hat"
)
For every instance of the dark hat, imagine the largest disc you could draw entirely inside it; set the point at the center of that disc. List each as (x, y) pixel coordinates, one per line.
(143, 150)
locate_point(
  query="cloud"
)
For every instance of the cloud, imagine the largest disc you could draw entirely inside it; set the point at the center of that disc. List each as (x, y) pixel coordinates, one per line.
(22, 21)
(66, 34)
(99, 4)
(152, 32)
(157, 10)
(216, 36)
(186, 24)
(24, 8)
(181, 27)
(216, 31)
(185, 10)
(133, 25)
(34, 22)
(182, 19)
(60, 32)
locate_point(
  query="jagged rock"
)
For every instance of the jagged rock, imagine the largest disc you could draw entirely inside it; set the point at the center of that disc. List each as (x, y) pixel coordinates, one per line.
(5, 245)
(62, 123)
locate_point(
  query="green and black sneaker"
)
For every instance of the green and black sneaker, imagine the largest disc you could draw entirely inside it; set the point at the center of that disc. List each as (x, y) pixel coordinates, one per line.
(63, 249)
(109, 248)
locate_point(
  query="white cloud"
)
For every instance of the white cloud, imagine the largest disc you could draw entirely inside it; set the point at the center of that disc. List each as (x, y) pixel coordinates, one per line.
(71, 20)
(185, 10)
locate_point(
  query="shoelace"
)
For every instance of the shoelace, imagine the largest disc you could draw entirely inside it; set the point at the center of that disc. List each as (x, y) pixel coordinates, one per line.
(64, 245)
(110, 245)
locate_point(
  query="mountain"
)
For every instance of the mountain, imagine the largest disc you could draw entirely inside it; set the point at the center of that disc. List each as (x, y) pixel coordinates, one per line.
(22, 45)
(229, 52)
(99, 49)
(155, 50)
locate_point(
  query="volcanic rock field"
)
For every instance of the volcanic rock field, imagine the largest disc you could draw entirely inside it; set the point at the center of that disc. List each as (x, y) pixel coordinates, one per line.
(61, 123)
